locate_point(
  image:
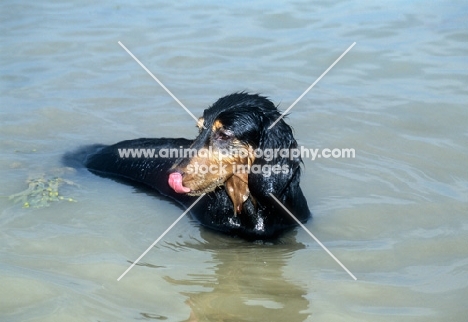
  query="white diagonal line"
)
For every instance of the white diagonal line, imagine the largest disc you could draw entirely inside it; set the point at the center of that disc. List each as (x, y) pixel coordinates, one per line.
(310, 87)
(159, 82)
(159, 238)
(315, 238)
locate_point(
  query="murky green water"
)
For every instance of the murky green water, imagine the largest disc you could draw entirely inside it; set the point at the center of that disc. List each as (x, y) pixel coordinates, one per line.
(396, 215)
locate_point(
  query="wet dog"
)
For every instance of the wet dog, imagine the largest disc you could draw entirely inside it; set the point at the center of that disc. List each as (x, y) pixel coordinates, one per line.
(231, 161)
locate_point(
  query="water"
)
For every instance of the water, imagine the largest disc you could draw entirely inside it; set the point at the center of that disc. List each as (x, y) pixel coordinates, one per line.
(395, 215)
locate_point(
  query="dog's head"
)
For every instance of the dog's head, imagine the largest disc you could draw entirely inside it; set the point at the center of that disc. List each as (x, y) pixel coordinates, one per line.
(236, 149)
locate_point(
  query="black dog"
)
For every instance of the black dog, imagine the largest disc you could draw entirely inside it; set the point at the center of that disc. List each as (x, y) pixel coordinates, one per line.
(228, 161)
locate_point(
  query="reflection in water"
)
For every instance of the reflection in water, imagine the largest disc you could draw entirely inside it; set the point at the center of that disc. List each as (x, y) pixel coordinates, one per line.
(247, 282)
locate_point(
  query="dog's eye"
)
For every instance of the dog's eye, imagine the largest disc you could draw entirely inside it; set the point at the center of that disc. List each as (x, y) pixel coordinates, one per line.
(224, 135)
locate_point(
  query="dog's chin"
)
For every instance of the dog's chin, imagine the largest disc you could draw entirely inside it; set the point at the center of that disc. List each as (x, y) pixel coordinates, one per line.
(197, 191)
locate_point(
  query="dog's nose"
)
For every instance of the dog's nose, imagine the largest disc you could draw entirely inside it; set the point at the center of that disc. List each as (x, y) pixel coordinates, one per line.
(175, 182)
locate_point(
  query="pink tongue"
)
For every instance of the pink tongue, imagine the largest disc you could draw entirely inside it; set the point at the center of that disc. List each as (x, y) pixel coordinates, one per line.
(175, 182)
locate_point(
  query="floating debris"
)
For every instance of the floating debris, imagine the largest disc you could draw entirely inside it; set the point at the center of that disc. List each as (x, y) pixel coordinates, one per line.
(42, 192)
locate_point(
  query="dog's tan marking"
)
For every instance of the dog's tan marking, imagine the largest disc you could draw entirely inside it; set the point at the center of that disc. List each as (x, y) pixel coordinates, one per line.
(200, 122)
(217, 125)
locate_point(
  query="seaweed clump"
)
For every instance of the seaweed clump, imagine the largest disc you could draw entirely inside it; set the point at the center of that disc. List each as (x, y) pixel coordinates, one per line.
(41, 192)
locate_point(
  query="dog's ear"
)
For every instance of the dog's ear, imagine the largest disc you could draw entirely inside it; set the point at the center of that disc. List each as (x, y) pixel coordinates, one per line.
(278, 169)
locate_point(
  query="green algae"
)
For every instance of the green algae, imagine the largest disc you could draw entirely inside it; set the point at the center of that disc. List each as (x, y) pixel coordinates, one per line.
(42, 192)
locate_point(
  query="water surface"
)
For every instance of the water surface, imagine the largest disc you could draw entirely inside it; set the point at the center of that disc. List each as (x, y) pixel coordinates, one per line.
(395, 215)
